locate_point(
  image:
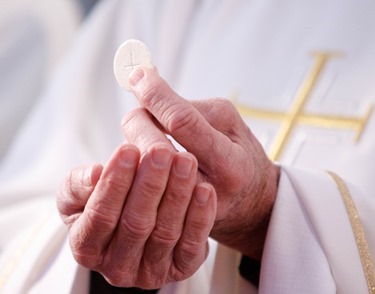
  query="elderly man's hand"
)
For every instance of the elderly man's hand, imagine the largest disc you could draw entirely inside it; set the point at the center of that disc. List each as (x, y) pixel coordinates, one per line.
(229, 156)
(139, 222)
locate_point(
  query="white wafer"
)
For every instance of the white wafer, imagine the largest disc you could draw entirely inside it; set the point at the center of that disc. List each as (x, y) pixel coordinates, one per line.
(130, 55)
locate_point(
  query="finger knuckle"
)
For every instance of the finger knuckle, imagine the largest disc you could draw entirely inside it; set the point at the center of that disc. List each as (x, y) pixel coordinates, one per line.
(227, 112)
(118, 271)
(100, 218)
(190, 249)
(151, 276)
(179, 118)
(153, 93)
(114, 185)
(136, 226)
(83, 258)
(131, 116)
(153, 188)
(200, 222)
(189, 257)
(165, 237)
(77, 180)
(118, 277)
(72, 189)
(62, 202)
(85, 253)
(223, 104)
(68, 187)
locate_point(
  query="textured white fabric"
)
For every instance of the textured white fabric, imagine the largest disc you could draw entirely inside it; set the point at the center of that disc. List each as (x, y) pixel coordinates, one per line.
(258, 49)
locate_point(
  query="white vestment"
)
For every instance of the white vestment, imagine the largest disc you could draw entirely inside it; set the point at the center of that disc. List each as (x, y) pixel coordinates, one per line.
(32, 42)
(260, 50)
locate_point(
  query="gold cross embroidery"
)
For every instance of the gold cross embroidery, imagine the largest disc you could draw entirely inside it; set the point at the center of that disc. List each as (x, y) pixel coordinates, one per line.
(296, 115)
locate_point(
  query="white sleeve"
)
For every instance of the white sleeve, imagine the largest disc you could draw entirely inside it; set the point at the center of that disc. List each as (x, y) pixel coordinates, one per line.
(310, 245)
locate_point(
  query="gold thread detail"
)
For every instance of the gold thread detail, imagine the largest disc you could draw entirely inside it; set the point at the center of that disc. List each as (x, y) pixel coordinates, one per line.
(296, 116)
(359, 234)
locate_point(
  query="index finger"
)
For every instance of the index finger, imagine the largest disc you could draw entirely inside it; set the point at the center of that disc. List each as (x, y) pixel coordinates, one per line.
(179, 117)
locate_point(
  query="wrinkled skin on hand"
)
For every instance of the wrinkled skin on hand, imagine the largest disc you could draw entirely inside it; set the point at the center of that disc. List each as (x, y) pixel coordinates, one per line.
(144, 218)
(229, 156)
(139, 222)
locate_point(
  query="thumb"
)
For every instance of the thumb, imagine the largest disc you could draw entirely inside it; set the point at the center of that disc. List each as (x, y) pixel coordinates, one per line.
(179, 117)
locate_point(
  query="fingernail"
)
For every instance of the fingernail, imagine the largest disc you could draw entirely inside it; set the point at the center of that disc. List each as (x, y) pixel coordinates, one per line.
(202, 195)
(183, 166)
(161, 157)
(129, 157)
(136, 75)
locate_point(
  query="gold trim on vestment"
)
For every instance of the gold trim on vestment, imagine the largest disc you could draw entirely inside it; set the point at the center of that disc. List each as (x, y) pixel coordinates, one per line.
(359, 234)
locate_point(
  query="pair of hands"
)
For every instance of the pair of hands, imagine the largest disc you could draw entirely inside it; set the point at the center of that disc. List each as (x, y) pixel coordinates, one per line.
(144, 218)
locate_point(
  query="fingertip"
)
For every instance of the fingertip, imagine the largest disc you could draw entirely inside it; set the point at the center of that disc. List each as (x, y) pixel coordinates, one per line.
(203, 193)
(146, 84)
(205, 198)
(80, 177)
(184, 164)
(136, 75)
(129, 155)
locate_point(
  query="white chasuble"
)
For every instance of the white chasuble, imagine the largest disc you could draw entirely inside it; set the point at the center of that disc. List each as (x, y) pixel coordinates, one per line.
(302, 75)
